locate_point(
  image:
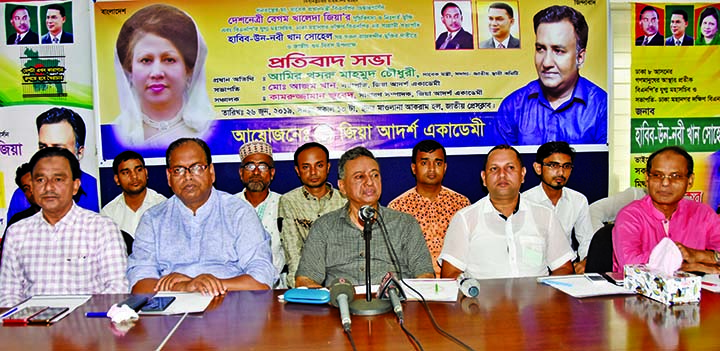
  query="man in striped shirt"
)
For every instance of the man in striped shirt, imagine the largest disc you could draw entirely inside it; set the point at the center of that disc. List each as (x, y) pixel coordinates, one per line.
(63, 249)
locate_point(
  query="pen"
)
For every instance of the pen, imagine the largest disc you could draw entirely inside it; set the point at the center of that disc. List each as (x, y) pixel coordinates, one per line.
(703, 283)
(11, 311)
(555, 282)
(96, 314)
(437, 288)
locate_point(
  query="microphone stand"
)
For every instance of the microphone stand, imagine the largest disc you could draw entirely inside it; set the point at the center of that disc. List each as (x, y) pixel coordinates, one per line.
(368, 306)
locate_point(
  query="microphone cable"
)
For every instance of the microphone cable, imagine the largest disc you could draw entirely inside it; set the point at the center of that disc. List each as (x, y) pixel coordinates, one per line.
(395, 260)
(352, 341)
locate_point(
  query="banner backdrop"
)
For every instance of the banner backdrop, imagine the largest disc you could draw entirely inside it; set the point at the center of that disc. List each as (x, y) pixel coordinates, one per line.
(343, 73)
(675, 94)
(38, 75)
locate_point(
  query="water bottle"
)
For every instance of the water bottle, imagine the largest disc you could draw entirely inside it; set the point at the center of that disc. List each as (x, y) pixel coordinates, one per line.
(469, 286)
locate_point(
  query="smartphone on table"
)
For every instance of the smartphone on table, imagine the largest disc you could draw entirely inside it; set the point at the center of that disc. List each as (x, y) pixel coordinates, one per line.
(158, 304)
(22, 316)
(46, 316)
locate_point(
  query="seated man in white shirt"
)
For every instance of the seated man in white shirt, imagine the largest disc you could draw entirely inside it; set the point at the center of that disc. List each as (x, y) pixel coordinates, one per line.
(131, 176)
(554, 164)
(501, 237)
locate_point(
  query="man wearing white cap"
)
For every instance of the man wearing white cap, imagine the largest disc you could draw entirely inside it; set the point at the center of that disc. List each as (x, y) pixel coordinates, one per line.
(257, 171)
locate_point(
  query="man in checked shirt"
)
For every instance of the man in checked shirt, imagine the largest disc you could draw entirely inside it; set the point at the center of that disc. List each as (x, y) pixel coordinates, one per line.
(63, 249)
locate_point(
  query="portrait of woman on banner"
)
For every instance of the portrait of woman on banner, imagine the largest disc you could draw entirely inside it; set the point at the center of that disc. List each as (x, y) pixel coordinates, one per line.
(708, 27)
(160, 71)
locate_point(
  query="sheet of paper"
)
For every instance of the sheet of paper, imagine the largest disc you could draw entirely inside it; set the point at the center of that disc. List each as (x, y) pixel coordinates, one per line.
(580, 286)
(711, 282)
(433, 289)
(445, 290)
(184, 303)
(70, 301)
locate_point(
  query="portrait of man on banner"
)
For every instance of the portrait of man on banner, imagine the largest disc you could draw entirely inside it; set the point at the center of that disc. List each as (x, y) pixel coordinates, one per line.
(502, 21)
(456, 29)
(560, 104)
(650, 20)
(160, 72)
(22, 21)
(58, 24)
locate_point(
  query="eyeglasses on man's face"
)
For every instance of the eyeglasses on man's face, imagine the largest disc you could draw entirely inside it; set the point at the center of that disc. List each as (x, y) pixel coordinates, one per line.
(659, 177)
(196, 169)
(556, 165)
(261, 166)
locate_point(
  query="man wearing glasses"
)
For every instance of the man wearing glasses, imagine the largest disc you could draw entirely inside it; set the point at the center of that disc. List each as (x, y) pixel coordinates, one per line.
(664, 212)
(553, 165)
(201, 239)
(257, 171)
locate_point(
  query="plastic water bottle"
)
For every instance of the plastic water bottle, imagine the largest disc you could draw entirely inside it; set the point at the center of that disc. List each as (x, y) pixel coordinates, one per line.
(469, 286)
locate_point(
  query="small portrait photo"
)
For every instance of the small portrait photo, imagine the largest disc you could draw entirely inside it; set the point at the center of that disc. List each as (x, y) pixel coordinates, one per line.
(707, 25)
(453, 25)
(58, 23)
(649, 26)
(21, 24)
(679, 25)
(498, 25)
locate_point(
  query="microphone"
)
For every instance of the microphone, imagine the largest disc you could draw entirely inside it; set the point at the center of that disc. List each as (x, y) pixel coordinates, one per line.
(390, 289)
(367, 214)
(341, 293)
(469, 286)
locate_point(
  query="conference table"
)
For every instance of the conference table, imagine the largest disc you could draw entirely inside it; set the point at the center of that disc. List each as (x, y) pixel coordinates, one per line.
(509, 314)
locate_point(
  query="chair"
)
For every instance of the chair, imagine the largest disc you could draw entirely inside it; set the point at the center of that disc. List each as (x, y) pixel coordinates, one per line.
(128, 241)
(600, 253)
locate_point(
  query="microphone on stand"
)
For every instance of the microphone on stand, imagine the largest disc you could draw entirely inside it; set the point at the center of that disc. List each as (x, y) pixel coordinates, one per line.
(367, 214)
(341, 293)
(390, 290)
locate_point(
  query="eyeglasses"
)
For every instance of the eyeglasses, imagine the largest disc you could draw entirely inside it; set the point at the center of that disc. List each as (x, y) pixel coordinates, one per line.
(196, 169)
(555, 165)
(262, 167)
(659, 177)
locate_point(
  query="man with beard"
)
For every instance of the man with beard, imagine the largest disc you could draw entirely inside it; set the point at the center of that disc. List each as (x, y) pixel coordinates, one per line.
(300, 207)
(131, 176)
(201, 239)
(554, 164)
(257, 171)
(649, 24)
(432, 204)
(501, 236)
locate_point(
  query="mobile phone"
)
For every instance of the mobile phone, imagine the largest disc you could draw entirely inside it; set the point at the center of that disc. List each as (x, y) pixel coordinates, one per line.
(158, 304)
(616, 278)
(46, 316)
(595, 277)
(21, 317)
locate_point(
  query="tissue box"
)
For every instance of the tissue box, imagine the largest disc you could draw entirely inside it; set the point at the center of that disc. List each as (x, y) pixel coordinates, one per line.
(680, 287)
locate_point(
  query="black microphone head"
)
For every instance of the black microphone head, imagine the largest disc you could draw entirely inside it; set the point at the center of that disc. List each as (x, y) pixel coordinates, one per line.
(367, 213)
(341, 286)
(389, 282)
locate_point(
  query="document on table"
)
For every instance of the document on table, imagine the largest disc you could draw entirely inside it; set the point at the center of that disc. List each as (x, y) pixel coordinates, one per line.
(580, 286)
(711, 282)
(70, 301)
(444, 290)
(185, 302)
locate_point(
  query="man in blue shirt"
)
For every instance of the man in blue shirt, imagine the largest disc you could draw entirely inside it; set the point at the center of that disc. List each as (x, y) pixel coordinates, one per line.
(201, 239)
(559, 105)
(65, 128)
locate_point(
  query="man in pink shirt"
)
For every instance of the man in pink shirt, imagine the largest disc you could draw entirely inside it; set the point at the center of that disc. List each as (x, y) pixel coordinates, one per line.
(664, 212)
